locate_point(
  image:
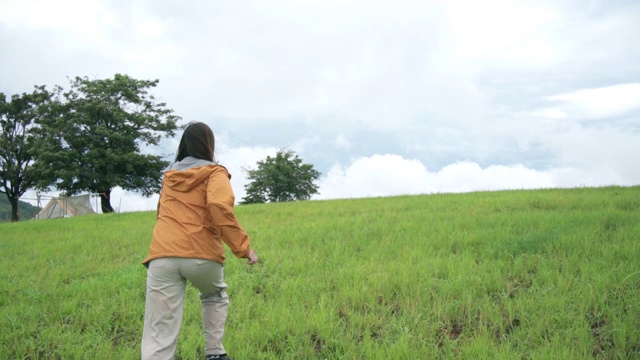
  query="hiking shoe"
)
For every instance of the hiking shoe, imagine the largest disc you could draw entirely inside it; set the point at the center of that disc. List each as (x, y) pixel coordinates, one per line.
(218, 357)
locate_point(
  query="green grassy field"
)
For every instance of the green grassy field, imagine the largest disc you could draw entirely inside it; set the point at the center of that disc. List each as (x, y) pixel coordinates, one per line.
(545, 274)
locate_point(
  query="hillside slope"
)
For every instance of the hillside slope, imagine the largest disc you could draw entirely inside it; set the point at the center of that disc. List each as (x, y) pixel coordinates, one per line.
(549, 274)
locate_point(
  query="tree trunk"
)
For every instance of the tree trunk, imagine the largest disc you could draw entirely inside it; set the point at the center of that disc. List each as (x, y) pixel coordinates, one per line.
(14, 208)
(105, 201)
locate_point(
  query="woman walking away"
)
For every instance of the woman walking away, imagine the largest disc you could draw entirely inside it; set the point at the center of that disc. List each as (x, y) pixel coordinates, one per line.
(195, 215)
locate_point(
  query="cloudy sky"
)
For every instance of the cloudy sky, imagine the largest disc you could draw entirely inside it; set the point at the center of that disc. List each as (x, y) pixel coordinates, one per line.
(383, 97)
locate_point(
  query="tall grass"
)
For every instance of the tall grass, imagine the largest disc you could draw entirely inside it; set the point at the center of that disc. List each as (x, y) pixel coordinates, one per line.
(495, 275)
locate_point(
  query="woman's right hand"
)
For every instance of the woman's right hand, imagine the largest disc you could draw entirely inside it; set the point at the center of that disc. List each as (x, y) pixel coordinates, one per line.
(253, 258)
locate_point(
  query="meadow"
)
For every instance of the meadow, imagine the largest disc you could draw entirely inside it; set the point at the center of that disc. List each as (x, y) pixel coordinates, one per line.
(535, 274)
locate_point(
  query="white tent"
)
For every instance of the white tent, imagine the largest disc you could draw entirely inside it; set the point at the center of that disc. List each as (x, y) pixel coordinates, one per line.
(66, 207)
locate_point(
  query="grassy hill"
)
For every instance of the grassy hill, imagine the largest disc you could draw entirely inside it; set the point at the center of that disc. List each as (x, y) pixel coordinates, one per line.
(26, 210)
(546, 274)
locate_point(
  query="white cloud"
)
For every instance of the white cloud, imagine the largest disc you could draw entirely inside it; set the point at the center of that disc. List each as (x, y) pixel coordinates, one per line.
(150, 28)
(68, 15)
(341, 142)
(469, 176)
(302, 144)
(89, 23)
(388, 175)
(501, 30)
(127, 201)
(151, 55)
(606, 154)
(550, 113)
(601, 102)
(377, 175)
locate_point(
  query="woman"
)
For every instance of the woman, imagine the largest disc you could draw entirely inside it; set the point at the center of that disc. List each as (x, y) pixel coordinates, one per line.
(195, 215)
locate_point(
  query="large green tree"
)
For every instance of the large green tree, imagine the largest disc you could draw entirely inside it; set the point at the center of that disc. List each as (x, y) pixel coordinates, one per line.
(93, 137)
(281, 178)
(17, 117)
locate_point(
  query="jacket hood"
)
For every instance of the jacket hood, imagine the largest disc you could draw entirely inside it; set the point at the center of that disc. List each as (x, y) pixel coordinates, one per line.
(187, 163)
(187, 174)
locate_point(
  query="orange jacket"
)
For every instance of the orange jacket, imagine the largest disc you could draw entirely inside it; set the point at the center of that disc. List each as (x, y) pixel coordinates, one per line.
(195, 214)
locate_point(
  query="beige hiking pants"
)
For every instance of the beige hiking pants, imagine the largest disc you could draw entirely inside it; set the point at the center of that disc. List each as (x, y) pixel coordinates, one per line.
(166, 286)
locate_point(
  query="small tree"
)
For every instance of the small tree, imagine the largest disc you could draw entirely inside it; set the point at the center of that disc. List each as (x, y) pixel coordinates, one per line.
(16, 143)
(92, 138)
(281, 178)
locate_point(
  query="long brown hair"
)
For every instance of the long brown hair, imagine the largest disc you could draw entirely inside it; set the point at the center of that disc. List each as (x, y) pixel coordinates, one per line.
(197, 141)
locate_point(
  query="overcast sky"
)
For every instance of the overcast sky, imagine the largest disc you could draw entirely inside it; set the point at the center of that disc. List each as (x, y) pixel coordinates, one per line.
(383, 97)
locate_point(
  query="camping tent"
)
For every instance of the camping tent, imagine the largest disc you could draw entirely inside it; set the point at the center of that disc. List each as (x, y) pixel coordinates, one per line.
(66, 207)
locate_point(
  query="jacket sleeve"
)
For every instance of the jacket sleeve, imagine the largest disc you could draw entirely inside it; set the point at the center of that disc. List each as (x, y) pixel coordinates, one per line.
(220, 200)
